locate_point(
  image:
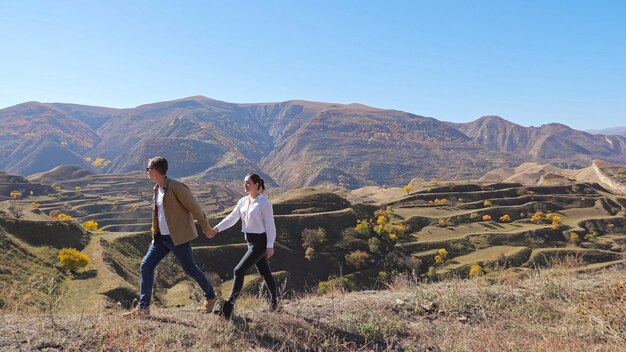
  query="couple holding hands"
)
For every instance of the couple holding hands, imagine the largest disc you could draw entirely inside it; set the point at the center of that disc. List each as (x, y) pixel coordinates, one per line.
(175, 208)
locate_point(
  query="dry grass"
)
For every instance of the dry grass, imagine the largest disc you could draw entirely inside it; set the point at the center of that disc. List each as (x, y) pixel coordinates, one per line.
(556, 309)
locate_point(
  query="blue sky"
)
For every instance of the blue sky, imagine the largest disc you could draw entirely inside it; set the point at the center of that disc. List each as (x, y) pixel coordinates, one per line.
(531, 62)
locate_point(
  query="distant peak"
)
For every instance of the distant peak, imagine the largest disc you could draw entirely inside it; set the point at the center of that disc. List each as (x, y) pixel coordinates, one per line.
(554, 126)
(494, 119)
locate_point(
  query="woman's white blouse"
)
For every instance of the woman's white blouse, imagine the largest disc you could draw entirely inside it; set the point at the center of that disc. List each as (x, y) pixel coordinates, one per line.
(257, 216)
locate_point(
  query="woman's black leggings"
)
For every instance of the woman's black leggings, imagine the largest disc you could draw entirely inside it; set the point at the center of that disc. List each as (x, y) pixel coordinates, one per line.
(255, 255)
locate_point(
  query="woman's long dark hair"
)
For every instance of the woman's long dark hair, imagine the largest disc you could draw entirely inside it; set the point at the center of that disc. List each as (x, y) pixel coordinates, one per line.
(257, 180)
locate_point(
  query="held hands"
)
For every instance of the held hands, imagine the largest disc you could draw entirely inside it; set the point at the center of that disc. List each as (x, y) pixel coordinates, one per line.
(211, 232)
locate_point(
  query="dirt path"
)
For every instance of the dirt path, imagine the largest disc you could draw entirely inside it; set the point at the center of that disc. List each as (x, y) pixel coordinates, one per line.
(85, 291)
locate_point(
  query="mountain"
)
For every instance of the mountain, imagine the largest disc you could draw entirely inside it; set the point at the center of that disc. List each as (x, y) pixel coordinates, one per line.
(612, 130)
(555, 142)
(291, 144)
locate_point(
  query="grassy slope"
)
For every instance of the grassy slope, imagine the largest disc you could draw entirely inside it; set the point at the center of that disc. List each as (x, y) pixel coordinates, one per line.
(557, 309)
(114, 267)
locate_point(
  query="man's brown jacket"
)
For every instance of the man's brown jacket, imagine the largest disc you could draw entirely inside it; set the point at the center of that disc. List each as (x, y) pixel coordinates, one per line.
(180, 209)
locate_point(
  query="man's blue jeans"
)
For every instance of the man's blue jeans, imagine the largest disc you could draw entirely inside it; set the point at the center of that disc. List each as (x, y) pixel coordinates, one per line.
(161, 246)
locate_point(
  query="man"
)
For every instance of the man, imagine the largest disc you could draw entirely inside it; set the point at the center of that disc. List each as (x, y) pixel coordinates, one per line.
(174, 209)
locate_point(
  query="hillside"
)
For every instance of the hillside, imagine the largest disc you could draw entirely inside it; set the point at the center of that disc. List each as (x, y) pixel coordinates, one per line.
(449, 215)
(609, 175)
(293, 143)
(493, 225)
(559, 309)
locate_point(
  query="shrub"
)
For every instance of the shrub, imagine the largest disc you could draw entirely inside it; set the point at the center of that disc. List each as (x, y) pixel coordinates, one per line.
(441, 256)
(474, 216)
(442, 222)
(309, 253)
(475, 271)
(592, 236)
(505, 218)
(100, 162)
(431, 273)
(313, 237)
(357, 259)
(334, 284)
(91, 225)
(374, 245)
(487, 203)
(386, 233)
(536, 218)
(486, 217)
(64, 217)
(362, 227)
(72, 259)
(407, 189)
(556, 222)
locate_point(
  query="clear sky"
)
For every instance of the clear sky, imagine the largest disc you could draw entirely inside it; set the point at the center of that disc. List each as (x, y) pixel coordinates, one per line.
(531, 62)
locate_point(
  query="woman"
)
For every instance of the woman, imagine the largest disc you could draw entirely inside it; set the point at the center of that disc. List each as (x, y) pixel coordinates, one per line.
(257, 220)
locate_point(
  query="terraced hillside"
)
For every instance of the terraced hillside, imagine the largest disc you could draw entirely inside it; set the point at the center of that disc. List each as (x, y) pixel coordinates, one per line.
(493, 225)
(303, 209)
(10, 183)
(592, 225)
(118, 202)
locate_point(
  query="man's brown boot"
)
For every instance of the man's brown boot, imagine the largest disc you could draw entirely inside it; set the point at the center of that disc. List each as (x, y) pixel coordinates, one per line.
(207, 304)
(138, 312)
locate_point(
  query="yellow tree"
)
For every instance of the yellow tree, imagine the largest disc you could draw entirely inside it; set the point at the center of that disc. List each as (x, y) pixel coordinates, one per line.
(72, 259)
(442, 255)
(475, 271)
(381, 235)
(91, 225)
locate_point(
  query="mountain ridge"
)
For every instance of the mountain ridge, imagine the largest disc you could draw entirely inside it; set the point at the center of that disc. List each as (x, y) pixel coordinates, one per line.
(293, 143)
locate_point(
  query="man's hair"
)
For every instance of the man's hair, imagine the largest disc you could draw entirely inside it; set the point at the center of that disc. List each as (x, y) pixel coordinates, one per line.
(158, 163)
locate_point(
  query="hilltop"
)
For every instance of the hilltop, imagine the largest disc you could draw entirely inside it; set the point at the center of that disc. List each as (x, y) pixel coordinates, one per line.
(291, 144)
